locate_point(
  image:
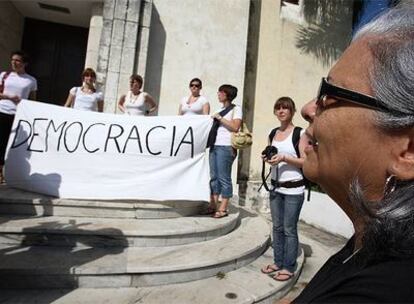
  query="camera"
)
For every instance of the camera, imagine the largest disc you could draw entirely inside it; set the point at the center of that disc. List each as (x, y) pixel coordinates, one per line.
(269, 152)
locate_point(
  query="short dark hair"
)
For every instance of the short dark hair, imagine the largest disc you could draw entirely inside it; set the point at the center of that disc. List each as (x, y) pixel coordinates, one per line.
(22, 54)
(137, 78)
(285, 102)
(198, 80)
(229, 90)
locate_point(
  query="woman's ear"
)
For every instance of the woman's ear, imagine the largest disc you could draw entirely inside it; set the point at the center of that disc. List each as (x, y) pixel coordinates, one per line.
(402, 166)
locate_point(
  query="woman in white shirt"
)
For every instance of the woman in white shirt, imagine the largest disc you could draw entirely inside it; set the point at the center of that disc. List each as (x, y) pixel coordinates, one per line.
(222, 154)
(195, 104)
(286, 197)
(15, 85)
(136, 102)
(86, 97)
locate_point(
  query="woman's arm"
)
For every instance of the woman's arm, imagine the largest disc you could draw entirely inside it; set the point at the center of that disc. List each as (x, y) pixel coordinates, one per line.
(33, 95)
(69, 101)
(150, 103)
(206, 108)
(232, 125)
(121, 102)
(100, 105)
(294, 161)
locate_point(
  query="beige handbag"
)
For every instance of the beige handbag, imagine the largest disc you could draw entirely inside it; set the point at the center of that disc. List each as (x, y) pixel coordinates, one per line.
(241, 139)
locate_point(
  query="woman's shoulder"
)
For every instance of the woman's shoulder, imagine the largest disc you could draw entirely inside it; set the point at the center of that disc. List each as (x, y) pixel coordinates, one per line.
(74, 90)
(203, 99)
(99, 95)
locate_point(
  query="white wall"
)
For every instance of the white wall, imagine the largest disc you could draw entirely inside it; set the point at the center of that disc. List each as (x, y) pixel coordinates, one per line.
(324, 213)
(205, 39)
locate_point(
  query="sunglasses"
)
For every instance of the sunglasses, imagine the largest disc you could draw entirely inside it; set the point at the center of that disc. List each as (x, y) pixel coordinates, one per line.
(195, 85)
(327, 89)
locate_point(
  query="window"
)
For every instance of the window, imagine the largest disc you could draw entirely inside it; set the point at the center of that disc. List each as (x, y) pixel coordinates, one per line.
(292, 10)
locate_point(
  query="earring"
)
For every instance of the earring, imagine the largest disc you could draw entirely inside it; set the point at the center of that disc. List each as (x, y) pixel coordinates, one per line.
(390, 185)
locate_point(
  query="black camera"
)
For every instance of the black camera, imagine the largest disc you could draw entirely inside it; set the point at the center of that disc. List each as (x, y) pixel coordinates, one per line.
(269, 152)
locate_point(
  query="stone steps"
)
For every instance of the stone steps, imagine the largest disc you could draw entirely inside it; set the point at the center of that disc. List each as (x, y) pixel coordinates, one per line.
(109, 232)
(243, 286)
(60, 267)
(19, 202)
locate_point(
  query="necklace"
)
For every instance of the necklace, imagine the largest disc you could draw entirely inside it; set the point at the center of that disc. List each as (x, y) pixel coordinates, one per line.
(133, 98)
(350, 257)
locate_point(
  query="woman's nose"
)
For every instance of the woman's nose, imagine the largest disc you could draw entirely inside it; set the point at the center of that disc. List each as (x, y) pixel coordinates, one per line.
(309, 110)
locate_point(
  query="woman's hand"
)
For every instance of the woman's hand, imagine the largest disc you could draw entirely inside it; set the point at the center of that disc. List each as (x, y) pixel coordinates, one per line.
(276, 159)
(217, 116)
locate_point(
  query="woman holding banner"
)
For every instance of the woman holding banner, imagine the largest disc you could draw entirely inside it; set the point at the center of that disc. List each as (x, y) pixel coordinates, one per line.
(86, 97)
(222, 153)
(15, 85)
(136, 102)
(195, 104)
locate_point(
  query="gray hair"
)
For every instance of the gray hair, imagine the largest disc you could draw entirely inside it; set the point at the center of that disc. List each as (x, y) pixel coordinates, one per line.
(390, 222)
(393, 74)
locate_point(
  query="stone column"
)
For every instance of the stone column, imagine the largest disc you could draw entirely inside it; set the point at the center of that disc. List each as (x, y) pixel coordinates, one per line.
(95, 31)
(119, 48)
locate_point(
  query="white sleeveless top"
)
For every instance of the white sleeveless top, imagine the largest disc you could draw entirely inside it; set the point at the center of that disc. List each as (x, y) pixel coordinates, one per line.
(195, 108)
(284, 172)
(85, 101)
(135, 105)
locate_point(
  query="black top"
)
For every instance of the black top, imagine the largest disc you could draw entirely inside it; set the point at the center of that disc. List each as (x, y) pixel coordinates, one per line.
(361, 280)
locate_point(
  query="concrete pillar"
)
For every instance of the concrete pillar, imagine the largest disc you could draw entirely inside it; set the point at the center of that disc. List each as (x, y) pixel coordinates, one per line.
(95, 31)
(120, 46)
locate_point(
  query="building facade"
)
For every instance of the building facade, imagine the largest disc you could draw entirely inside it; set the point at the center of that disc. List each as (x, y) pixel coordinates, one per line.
(266, 48)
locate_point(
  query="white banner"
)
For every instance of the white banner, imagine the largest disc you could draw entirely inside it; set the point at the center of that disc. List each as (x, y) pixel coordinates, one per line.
(86, 155)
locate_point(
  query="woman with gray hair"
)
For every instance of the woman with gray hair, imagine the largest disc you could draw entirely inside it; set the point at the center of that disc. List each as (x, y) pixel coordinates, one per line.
(362, 154)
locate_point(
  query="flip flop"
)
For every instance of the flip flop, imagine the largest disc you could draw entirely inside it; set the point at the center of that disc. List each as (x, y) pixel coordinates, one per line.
(283, 276)
(220, 214)
(271, 268)
(210, 210)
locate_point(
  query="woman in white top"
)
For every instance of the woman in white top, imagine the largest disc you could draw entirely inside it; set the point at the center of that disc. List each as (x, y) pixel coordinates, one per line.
(14, 86)
(86, 97)
(286, 197)
(222, 154)
(195, 104)
(136, 102)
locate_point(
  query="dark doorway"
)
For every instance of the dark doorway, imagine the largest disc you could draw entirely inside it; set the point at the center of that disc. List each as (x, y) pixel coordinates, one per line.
(57, 57)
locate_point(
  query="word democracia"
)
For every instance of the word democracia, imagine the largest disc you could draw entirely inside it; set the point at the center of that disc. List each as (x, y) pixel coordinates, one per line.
(43, 135)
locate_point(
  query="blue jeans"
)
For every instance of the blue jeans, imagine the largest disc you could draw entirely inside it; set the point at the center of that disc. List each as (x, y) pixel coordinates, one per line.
(221, 160)
(285, 210)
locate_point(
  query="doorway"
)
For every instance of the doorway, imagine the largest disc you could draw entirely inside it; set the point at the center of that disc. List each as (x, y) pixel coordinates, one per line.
(57, 57)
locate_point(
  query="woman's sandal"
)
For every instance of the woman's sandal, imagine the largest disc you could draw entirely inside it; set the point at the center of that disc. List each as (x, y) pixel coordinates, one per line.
(283, 276)
(268, 269)
(220, 213)
(210, 210)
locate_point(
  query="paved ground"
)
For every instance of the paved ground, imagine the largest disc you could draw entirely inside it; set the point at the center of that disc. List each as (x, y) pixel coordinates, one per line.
(318, 246)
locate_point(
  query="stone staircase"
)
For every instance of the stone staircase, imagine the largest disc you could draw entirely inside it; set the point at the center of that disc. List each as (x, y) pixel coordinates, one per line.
(74, 251)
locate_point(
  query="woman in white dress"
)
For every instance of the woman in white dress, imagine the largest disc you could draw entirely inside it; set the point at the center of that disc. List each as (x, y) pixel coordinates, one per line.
(195, 104)
(86, 97)
(136, 102)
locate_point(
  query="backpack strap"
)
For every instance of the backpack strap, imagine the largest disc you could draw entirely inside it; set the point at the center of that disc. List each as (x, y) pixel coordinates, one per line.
(272, 134)
(296, 139)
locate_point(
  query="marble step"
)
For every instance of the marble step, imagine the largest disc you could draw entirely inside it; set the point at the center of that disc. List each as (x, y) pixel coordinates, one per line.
(108, 232)
(19, 202)
(59, 267)
(242, 286)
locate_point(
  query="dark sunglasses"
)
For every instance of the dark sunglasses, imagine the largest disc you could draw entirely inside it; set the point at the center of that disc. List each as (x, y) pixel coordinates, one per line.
(195, 85)
(327, 89)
